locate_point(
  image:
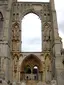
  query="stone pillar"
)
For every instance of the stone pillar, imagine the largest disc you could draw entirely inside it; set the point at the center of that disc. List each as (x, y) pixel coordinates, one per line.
(1, 67)
(57, 46)
(4, 59)
(52, 4)
(9, 4)
(6, 38)
(6, 69)
(18, 72)
(54, 19)
(56, 38)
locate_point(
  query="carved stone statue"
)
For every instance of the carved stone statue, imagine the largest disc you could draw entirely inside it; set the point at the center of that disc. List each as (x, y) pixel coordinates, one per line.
(15, 64)
(46, 32)
(15, 31)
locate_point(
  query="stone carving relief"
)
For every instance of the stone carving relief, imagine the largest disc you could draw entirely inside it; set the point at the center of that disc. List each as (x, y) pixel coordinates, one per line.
(15, 31)
(15, 67)
(48, 68)
(46, 16)
(46, 7)
(46, 36)
(15, 36)
(15, 46)
(15, 63)
(16, 56)
(46, 31)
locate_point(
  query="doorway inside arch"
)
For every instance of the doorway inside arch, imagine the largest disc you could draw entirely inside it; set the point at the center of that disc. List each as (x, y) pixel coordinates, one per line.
(35, 70)
(31, 68)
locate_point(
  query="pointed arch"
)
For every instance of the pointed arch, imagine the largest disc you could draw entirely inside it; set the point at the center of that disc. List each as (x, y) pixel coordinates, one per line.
(31, 33)
(31, 60)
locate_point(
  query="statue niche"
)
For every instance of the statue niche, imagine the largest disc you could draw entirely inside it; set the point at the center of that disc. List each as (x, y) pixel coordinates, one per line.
(15, 36)
(46, 31)
(46, 36)
(15, 31)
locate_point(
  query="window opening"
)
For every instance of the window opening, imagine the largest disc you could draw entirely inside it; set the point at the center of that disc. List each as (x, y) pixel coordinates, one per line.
(27, 70)
(35, 70)
(31, 33)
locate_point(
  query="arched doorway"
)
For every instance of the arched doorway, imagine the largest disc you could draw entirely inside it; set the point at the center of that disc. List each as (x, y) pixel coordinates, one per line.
(35, 70)
(31, 68)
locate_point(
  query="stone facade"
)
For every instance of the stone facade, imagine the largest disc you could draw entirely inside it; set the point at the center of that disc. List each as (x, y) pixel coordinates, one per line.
(16, 67)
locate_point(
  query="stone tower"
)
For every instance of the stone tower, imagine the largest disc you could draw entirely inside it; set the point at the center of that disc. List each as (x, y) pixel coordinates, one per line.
(46, 67)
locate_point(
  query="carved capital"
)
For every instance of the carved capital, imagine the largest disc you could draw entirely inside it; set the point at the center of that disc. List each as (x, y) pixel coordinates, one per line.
(16, 54)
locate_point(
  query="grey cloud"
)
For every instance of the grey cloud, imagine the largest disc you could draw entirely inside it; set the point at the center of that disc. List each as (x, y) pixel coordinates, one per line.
(61, 27)
(34, 41)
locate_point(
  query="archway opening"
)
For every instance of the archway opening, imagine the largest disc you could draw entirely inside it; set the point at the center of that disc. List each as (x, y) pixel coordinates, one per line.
(31, 33)
(27, 69)
(35, 70)
(31, 68)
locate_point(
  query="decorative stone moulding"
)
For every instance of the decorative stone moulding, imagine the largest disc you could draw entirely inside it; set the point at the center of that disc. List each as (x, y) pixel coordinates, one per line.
(18, 54)
(15, 31)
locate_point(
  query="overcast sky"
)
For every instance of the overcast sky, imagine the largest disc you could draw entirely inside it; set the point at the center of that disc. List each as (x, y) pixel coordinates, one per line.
(34, 43)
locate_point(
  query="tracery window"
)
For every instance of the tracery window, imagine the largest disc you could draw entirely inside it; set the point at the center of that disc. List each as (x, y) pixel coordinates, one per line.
(31, 33)
(27, 70)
